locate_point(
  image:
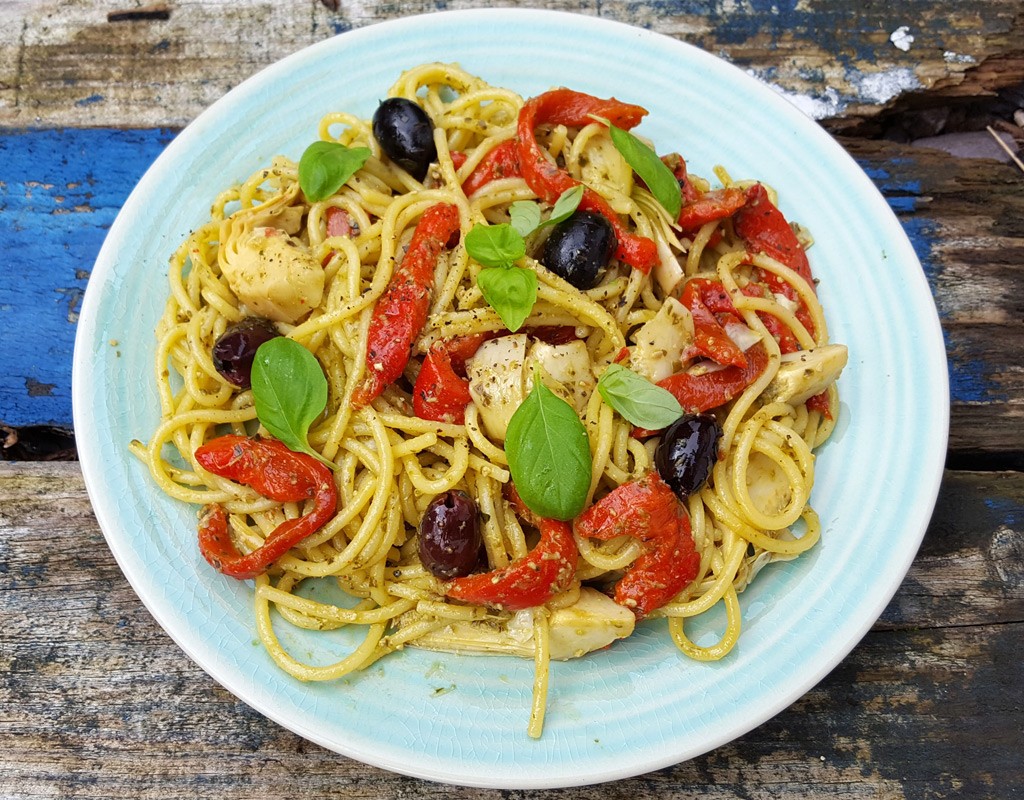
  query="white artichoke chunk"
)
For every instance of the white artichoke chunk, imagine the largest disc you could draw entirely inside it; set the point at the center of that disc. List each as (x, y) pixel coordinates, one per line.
(274, 275)
(609, 174)
(497, 381)
(661, 341)
(806, 373)
(500, 377)
(668, 272)
(594, 621)
(567, 371)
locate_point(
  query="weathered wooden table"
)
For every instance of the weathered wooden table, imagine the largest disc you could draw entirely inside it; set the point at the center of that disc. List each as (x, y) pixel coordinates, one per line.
(96, 701)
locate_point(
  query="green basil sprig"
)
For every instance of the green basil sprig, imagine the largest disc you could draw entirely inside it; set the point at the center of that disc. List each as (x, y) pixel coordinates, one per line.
(495, 245)
(526, 216)
(325, 166)
(290, 391)
(549, 454)
(510, 290)
(650, 168)
(637, 399)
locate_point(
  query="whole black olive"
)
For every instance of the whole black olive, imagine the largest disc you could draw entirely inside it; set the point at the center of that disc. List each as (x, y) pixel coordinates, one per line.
(579, 248)
(236, 348)
(450, 535)
(687, 452)
(406, 135)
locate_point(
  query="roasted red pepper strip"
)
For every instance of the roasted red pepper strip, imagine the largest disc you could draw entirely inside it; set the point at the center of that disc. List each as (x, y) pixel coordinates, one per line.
(339, 223)
(566, 107)
(764, 229)
(401, 312)
(441, 393)
(548, 569)
(677, 164)
(275, 472)
(783, 335)
(712, 389)
(501, 162)
(709, 207)
(646, 510)
(704, 296)
(819, 403)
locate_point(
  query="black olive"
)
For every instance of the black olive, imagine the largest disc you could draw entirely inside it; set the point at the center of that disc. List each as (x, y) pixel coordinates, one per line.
(687, 452)
(236, 348)
(450, 537)
(579, 248)
(406, 135)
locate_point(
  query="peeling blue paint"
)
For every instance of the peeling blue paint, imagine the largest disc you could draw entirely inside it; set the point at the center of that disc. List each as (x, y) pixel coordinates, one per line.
(90, 100)
(60, 192)
(1007, 509)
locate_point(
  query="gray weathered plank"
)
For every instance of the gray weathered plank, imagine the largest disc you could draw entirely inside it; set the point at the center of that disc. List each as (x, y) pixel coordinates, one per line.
(100, 703)
(62, 63)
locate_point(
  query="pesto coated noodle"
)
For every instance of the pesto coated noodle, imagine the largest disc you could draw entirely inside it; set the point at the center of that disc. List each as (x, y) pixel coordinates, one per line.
(723, 313)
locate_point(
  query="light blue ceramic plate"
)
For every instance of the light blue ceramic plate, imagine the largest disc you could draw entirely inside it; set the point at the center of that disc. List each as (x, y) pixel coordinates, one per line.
(640, 705)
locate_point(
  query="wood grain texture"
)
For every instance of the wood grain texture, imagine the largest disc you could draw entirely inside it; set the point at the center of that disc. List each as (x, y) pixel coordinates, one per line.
(965, 218)
(99, 702)
(63, 64)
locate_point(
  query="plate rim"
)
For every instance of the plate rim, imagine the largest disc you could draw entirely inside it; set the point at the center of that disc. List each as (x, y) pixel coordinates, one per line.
(92, 470)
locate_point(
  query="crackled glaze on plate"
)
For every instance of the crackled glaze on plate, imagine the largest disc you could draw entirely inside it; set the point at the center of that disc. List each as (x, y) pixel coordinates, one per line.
(640, 705)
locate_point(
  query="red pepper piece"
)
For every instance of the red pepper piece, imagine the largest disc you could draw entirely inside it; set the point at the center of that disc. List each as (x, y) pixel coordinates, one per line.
(698, 393)
(646, 510)
(442, 390)
(553, 334)
(339, 223)
(501, 162)
(458, 158)
(401, 312)
(764, 229)
(677, 164)
(275, 472)
(710, 338)
(566, 107)
(819, 402)
(781, 332)
(711, 206)
(549, 568)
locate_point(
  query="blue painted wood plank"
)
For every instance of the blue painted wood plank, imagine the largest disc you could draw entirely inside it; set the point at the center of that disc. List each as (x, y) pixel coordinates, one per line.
(61, 189)
(59, 193)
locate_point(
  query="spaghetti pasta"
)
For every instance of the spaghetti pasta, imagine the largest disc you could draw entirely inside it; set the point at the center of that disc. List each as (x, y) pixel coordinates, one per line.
(756, 343)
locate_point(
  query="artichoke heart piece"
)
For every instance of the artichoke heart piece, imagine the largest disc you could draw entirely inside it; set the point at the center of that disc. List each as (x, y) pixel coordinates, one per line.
(270, 271)
(805, 373)
(661, 342)
(500, 377)
(594, 621)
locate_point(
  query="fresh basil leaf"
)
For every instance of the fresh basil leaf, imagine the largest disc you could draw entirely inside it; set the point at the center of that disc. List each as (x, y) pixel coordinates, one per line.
(325, 166)
(637, 399)
(495, 245)
(290, 391)
(549, 455)
(566, 204)
(525, 216)
(649, 167)
(511, 292)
